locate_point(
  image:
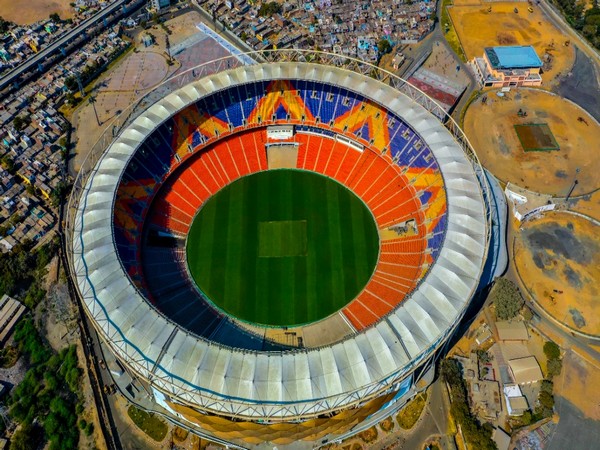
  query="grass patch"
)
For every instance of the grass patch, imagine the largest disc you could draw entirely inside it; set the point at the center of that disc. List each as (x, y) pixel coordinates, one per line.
(536, 137)
(149, 423)
(451, 35)
(282, 238)
(474, 96)
(409, 415)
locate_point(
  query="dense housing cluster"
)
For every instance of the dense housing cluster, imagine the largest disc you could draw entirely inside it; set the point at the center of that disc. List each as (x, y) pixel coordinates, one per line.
(345, 27)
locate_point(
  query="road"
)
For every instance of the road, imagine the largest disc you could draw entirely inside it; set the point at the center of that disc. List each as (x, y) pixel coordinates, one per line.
(105, 415)
(31, 64)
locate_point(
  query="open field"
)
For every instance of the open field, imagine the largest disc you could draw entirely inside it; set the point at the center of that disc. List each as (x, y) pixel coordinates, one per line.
(24, 13)
(558, 258)
(282, 247)
(551, 172)
(477, 28)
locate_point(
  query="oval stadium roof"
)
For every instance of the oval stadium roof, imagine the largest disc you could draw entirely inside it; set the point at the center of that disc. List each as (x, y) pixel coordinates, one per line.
(303, 382)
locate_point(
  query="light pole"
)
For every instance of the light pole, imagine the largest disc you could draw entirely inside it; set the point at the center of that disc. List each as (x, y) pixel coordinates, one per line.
(575, 183)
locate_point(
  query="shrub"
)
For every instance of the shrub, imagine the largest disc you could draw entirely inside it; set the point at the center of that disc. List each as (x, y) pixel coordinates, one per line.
(551, 350)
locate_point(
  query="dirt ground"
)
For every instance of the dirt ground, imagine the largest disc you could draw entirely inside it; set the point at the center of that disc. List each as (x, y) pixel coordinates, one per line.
(558, 257)
(120, 87)
(551, 172)
(588, 205)
(443, 62)
(182, 27)
(136, 74)
(477, 29)
(574, 384)
(24, 13)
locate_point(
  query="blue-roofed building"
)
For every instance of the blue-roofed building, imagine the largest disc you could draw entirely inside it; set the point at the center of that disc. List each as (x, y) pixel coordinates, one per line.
(508, 66)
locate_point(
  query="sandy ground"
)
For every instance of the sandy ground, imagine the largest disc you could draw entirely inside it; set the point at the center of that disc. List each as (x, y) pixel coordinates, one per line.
(490, 128)
(477, 29)
(27, 12)
(558, 257)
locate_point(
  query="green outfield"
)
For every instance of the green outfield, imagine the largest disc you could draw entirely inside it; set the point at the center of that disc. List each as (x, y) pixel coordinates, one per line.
(282, 247)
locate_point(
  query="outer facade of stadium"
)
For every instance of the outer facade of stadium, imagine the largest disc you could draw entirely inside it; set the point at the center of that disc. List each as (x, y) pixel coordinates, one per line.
(242, 383)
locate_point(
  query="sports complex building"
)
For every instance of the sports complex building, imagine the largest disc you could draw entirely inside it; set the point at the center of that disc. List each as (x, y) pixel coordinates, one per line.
(280, 250)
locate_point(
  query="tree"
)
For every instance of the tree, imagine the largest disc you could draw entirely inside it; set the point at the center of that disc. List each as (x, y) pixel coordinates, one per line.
(450, 371)
(554, 368)
(507, 299)
(4, 25)
(268, 9)
(483, 356)
(384, 46)
(551, 350)
(59, 194)
(526, 418)
(55, 17)
(27, 437)
(21, 122)
(545, 404)
(71, 83)
(8, 163)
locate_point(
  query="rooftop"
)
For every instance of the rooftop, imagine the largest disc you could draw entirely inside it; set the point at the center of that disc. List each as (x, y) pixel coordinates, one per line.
(512, 331)
(513, 57)
(525, 370)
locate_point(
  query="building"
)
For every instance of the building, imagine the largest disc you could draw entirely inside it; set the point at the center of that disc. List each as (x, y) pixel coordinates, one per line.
(525, 370)
(157, 5)
(508, 66)
(248, 383)
(501, 438)
(516, 403)
(514, 330)
(10, 312)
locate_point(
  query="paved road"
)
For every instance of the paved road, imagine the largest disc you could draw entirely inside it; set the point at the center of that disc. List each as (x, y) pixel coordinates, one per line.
(432, 424)
(582, 86)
